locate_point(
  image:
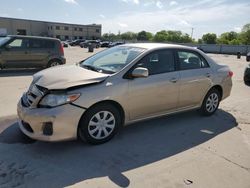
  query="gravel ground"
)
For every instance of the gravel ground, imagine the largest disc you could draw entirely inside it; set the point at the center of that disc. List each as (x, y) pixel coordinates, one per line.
(182, 150)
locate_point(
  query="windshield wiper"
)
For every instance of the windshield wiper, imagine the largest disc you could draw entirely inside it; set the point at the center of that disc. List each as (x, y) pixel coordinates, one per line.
(89, 67)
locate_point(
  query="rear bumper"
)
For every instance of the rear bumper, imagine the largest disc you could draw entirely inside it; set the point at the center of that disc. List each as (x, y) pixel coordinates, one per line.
(63, 60)
(64, 120)
(226, 88)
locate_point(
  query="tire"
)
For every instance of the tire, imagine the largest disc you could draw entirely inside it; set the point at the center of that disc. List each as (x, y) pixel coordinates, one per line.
(247, 80)
(93, 133)
(211, 102)
(53, 62)
(248, 58)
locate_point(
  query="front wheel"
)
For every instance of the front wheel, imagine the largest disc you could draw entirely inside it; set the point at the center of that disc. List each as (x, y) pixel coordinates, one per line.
(210, 103)
(99, 124)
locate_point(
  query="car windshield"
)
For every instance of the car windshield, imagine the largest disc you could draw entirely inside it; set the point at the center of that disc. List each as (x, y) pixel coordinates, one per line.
(112, 60)
(3, 40)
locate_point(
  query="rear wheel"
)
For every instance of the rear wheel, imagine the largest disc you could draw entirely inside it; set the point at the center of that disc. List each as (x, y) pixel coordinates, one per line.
(211, 102)
(248, 58)
(53, 63)
(247, 80)
(99, 124)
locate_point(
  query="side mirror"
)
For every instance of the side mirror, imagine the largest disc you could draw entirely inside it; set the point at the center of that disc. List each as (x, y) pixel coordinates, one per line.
(140, 72)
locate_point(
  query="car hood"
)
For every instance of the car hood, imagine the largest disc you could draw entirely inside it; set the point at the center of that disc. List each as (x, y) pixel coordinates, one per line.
(66, 76)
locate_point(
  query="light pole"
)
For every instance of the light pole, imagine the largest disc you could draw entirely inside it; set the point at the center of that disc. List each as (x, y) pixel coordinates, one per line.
(192, 32)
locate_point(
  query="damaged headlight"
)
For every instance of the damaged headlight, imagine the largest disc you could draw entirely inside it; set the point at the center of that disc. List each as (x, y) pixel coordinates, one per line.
(53, 100)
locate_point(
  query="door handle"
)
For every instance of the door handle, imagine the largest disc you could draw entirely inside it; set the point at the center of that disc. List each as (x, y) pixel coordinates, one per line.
(173, 80)
(208, 75)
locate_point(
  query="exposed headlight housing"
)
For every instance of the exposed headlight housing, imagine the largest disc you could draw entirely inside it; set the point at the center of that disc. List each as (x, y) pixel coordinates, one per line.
(53, 100)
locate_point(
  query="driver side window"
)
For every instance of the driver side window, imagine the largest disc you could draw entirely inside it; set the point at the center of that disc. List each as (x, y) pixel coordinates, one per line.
(158, 62)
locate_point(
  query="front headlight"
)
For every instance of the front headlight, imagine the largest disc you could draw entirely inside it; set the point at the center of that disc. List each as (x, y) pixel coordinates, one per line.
(53, 100)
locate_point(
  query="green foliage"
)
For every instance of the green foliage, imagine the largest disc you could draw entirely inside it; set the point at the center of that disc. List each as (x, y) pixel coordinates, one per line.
(150, 36)
(200, 41)
(128, 36)
(144, 36)
(235, 42)
(228, 38)
(172, 36)
(209, 38)
(160, 36)
(109, 37)
(245, 37)
(231, 37)
(246, 28)
(105, 36)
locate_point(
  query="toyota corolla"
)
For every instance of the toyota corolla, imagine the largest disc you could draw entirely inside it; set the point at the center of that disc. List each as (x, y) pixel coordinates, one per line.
(93, 99)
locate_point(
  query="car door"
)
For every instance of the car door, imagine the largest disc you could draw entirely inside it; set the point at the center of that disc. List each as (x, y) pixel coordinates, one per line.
(15, 54)
(39, 50)
(195, 78)
(157, 93)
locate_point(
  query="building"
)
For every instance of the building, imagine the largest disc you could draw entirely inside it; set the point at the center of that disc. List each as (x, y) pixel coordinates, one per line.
(63, 31)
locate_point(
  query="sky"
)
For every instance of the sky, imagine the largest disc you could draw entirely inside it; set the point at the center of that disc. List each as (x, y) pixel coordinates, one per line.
(216, 16)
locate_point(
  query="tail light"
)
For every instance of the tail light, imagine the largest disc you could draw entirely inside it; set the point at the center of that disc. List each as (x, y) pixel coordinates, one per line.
(61, 49)
(230, 74)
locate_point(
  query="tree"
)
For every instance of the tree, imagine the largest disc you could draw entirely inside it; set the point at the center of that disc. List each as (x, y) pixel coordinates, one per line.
(172, 36)
(160, 36)
(105, 36)
(245, 34)
(144, 36)
(150, 36)
(128, 36)
(200, 41)
(228, 37)
(186, 38)
(235, 42)
(245, 37)
(109, 36)
(209, 38)
(246, 28)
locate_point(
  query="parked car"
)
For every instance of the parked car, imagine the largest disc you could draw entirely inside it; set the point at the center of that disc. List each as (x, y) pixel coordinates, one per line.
(92, 100)
(76, 42)
(115, 44)
(105, 44)
(30, 52)
(248, 57)
(65, 44)
(87, 43)
(247, 75)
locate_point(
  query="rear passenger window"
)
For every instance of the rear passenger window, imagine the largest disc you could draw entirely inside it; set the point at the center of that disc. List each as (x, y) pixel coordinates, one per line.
(35, 43)
(189, 60)
(38, 43)
(49, 44)
(158, 62)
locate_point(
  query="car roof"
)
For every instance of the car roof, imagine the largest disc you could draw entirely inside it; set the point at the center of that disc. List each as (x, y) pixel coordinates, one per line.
(33, 37)
(150, 46)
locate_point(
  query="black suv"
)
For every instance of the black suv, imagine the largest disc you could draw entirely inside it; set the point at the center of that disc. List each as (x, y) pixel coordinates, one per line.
(87, 43)
(28, 51)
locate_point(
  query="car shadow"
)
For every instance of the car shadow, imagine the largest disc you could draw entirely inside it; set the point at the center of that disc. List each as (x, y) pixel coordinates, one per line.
(67, 163)
(18, 72)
